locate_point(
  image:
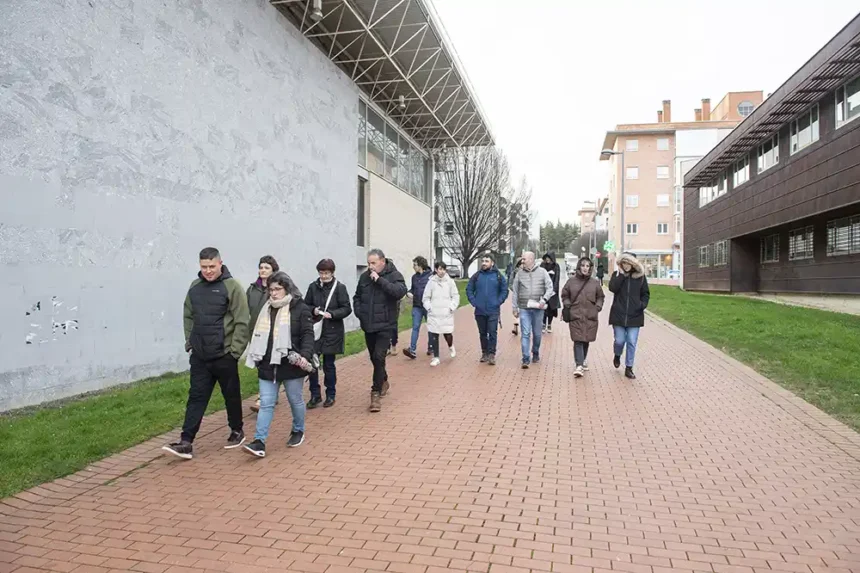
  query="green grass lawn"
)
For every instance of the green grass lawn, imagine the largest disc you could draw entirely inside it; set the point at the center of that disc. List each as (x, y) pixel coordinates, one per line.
(811, 352)
(41, 444)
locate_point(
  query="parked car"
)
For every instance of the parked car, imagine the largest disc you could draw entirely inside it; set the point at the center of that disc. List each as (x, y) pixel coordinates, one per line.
(454, 272)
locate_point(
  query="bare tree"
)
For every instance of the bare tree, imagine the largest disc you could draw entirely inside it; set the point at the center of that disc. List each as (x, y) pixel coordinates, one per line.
(475, 191)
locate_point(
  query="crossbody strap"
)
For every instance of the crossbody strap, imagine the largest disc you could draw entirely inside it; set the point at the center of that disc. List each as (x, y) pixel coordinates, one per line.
(328, 301)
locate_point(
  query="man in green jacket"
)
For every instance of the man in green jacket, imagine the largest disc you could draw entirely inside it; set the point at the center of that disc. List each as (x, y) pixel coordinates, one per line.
(216, 332)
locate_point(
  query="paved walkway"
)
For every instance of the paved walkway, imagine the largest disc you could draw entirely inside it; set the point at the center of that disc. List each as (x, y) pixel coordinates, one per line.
(700, 465)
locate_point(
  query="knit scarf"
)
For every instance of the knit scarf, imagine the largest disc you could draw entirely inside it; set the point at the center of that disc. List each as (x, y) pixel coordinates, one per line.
(281, 335)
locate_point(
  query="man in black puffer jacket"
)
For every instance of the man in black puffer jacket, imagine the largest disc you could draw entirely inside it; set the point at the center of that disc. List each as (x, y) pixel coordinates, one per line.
(379, 289)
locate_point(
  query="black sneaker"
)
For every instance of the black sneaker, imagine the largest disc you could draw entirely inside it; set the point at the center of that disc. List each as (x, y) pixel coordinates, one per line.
(616, 361)
(329, 402)
(180, 450)
(535, 359)
(296, 439)
(410, 353)
(235, 440)
(314, 402)
(628, 372)
(256, 448)
(484, 357)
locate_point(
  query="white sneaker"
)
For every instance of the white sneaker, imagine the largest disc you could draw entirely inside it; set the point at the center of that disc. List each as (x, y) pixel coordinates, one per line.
(549, 329)
(585, 366)
(579, 373)
(435, 362)
(453, 352)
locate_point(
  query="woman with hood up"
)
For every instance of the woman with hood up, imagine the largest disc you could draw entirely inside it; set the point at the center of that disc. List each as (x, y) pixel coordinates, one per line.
(582, 300)
(553, 303)
(627, 314)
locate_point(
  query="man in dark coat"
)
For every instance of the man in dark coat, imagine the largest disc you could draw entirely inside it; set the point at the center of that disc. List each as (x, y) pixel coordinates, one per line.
(627, 314)
(553, 304)
(330, 309)
(379, 289)
(216, 332)
(416, 293)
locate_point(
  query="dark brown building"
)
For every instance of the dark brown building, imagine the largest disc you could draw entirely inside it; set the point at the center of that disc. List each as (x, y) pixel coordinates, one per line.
(775, 207)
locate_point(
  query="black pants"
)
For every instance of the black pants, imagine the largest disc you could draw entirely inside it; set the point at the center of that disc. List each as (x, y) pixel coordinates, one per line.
(204, 375)
(378, 344)
(330, 371)
(548, 315)
(580, 352)
(488, 327)
(395, 337)
(434, 342)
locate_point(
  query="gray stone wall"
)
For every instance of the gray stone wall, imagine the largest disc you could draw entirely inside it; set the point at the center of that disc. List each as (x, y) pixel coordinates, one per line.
(134, 133)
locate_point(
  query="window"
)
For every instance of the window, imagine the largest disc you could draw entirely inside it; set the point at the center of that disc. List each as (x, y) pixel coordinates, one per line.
(721, 253)
(703, 257)
(662, 172)
(742, 171)
(362, 135)
(663, 200)
(449, 229)
(632, 145)
(843, 236)
(770, 249)
(804, 129)
(662, 228)
(720, 188)
(679, 191)
(745, 108)
(632, 228)
(848, 102)
(662, 144)
(391, 153)
(375, 143)
(768, 153)
(632, 173)
(800, 244)
(677, 224)
(633, 201)
(360, 230)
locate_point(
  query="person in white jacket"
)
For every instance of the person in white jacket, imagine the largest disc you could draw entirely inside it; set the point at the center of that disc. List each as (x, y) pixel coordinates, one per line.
(441, 299)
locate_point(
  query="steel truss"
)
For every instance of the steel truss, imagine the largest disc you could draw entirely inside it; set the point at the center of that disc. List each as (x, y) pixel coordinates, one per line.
(393, 51)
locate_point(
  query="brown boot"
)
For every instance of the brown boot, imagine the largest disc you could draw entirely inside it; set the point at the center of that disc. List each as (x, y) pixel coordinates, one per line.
(385, 387)
(256, 406)
(375, 402)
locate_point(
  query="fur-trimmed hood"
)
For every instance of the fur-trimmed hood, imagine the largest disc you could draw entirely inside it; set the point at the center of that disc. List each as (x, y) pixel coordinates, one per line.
(638, 269)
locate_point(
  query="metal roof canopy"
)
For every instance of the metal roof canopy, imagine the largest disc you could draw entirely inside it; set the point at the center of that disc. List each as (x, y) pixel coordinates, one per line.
(393, 49)
(837, 62)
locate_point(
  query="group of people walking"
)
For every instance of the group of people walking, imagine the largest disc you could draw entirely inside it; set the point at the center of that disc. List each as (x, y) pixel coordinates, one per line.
(288, 337)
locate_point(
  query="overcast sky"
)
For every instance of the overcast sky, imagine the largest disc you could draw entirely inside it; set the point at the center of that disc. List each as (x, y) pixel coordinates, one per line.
(554, 75)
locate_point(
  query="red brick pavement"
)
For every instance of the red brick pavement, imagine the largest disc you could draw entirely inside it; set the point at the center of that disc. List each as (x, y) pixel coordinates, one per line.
(699, 465)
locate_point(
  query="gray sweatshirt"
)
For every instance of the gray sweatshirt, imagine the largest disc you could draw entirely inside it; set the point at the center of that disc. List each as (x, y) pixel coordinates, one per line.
(534, 284)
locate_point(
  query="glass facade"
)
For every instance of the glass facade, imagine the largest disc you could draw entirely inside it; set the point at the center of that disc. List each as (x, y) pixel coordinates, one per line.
(382, 150)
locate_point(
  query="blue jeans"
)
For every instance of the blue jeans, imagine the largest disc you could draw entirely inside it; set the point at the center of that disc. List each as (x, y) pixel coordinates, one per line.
(628, 335)
(531, 323)
(488, 328)
(268, 397)
(418, 314)
(330, 372)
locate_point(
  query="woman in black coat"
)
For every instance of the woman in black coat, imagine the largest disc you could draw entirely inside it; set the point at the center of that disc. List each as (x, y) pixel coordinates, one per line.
(553, 303)
(331, 314)
(627, 315)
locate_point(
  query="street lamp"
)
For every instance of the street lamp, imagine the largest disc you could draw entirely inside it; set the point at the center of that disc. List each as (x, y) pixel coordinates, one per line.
(609, 153)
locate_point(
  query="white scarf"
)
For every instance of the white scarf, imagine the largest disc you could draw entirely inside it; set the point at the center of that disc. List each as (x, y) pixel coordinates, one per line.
(282, 340)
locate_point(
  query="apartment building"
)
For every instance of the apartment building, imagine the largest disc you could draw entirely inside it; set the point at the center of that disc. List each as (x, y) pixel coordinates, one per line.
(586, 216)
(775, 207)
(647, 165)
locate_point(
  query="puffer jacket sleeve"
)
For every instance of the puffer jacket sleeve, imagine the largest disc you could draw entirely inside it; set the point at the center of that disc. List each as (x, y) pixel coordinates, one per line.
(455, 295)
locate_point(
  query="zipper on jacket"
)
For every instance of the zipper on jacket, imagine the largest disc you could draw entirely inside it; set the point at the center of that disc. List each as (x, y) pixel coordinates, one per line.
(627, 302)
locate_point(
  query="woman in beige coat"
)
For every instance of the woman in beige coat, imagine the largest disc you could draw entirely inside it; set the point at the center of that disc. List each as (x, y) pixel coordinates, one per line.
(582, 300)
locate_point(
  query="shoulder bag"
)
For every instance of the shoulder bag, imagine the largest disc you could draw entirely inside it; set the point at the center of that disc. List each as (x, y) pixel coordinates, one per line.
(319, 325)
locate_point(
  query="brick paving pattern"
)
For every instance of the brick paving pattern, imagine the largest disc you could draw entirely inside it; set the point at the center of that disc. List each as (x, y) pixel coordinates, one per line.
(699, 465)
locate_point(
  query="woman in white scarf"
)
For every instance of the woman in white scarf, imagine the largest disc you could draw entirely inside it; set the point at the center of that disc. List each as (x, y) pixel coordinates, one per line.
(282, 350)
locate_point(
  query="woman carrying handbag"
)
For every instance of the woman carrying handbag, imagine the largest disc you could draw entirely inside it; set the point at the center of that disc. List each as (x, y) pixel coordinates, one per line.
(582, 300)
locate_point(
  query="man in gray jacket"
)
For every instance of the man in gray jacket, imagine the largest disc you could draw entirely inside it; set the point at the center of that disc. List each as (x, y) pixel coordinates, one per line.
(532, 289)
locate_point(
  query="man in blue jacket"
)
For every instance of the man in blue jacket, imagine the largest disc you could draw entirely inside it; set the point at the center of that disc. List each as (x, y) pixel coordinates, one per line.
(416, 293)
(487, 291)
